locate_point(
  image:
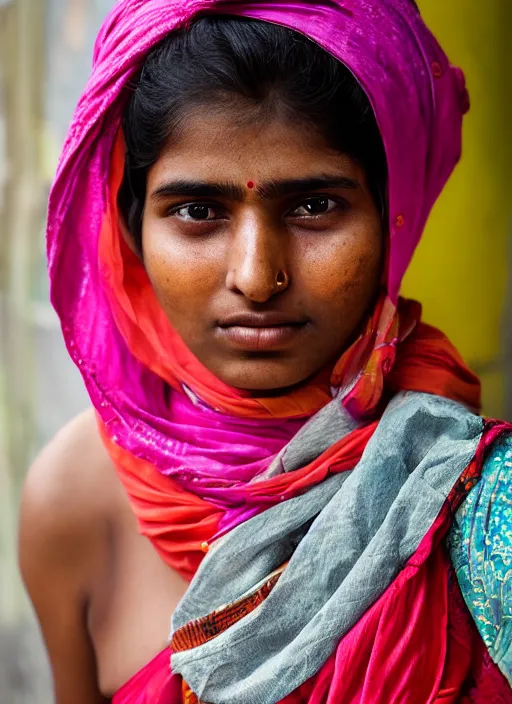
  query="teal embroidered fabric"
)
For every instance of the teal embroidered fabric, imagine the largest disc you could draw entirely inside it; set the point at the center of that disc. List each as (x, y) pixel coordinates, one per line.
(480, 545)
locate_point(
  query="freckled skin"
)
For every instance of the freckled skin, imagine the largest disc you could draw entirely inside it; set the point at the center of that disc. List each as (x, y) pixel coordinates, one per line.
(329, 242)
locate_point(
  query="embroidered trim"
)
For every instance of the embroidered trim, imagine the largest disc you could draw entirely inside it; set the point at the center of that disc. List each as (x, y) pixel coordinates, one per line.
(204, 629)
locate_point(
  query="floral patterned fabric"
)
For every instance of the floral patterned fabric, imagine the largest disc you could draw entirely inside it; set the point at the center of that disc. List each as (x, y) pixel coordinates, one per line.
(481, 551)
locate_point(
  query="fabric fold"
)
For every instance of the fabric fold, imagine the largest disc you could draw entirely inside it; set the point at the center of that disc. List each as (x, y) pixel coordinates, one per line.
(366, 525)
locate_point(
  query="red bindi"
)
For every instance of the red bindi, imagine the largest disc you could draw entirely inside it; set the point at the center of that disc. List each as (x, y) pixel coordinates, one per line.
(250, 184)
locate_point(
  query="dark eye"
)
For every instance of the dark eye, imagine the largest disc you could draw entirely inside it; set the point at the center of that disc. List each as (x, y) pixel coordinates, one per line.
(195, 212)
(315, 206)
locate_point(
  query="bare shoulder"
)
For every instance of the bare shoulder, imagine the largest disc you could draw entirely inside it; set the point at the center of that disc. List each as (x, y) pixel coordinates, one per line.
(69, 499)
(72, 473)
(64, 527)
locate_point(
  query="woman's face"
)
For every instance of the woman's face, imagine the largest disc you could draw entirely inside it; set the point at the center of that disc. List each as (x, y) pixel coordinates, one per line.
(228, 208)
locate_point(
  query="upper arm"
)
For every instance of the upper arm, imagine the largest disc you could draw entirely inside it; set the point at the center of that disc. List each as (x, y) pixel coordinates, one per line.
(57, 554)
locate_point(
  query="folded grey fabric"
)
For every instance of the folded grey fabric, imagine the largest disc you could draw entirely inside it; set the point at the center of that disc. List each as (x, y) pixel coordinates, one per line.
(346, 539)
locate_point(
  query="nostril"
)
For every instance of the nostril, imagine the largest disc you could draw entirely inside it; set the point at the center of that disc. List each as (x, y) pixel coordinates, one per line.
(259, 295)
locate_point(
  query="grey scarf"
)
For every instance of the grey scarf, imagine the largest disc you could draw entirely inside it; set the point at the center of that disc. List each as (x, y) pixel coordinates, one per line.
(346, 539)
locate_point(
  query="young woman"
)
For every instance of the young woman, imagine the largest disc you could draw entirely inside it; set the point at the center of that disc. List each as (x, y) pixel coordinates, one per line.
(280, 455)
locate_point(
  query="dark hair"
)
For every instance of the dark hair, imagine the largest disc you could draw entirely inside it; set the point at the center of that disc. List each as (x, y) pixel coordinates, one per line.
(268, 69)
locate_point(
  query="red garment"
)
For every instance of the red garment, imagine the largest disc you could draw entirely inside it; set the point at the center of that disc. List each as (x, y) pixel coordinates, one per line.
(420, 626)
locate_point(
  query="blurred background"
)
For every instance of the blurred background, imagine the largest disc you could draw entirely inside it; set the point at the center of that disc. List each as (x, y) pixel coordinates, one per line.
(461, 273)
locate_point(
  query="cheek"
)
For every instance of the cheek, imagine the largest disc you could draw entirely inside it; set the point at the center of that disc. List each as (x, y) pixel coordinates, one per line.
(344, 268)
(184, 275)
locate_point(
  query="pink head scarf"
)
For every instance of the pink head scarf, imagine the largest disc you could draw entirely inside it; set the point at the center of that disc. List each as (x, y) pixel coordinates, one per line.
(419, 100)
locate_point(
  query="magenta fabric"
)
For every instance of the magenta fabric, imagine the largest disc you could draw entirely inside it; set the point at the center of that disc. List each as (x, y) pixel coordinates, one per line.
(419, 100)
(221, 454)
(154, 684)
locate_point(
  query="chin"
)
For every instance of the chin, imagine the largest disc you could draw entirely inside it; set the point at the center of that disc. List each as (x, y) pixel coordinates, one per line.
(262, 377)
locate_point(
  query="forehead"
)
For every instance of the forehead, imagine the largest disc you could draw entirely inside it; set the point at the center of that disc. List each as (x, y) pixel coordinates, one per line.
(220, 144)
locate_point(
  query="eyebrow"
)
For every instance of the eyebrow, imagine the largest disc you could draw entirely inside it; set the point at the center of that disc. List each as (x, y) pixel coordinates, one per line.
(275, 189)
(198, 190)
(266, 191)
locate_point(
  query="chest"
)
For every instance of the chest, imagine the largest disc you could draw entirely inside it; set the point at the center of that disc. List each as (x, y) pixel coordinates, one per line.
(134, 596)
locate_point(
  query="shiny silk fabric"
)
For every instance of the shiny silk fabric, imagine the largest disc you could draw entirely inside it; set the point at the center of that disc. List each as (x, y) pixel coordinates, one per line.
(187, 447)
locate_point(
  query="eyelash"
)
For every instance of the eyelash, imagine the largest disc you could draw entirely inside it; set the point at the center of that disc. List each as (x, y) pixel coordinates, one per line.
(338, 202)
(176, 209)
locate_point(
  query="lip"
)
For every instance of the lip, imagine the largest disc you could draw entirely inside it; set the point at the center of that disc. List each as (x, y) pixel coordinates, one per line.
(267, 319)
(260, 331)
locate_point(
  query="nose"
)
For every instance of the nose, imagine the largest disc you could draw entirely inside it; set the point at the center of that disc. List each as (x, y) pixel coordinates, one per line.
(256, 258)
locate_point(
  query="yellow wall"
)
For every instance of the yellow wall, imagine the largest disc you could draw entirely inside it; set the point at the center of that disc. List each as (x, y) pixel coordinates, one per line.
(461, 267)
